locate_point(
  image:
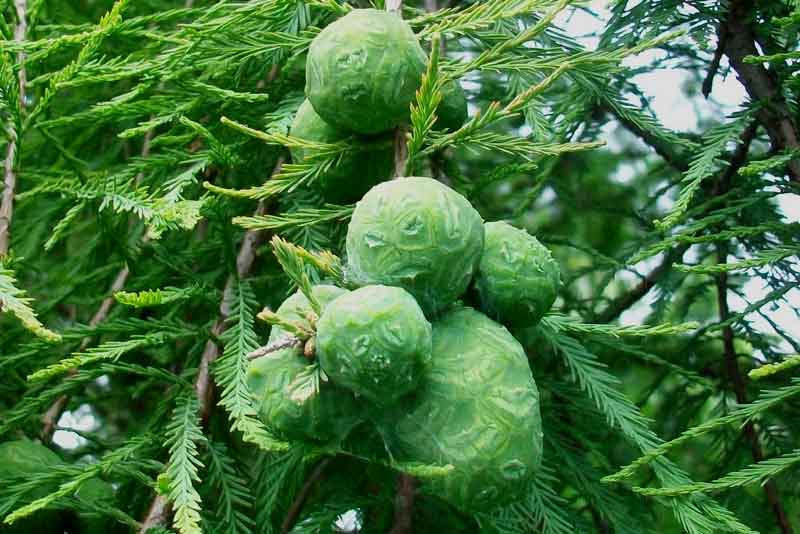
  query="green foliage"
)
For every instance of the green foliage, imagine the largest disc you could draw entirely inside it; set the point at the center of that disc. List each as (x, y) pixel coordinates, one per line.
(705, 164)
(183, 436)
(234, 502)
(230, 372)
(156, 297)
(754, 474)
(150, 149)
(13, 300)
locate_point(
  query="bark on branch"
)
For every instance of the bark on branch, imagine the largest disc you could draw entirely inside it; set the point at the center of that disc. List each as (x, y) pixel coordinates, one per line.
(761, 84)
(404, 505)
(9, 174)
(735, 376)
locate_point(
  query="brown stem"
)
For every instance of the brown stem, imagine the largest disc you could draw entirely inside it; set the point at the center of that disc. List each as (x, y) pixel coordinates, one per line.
(761, 84)
(677, 160)
(260, 352)
(159, 511)
(737, 381)
(404, 505)
(735, 376)
(722, 39)
(400, 151)
(404, 500)
(394, 6)
(204, 386)
(618, 306)
(302, 496)
(157, 514)
(9, 175)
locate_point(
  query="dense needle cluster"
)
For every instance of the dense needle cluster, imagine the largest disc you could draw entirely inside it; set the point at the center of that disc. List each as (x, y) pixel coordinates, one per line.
(149, 150)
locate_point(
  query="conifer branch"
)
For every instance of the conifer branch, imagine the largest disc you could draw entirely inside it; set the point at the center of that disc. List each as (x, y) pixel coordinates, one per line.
(767, 400)
(159, 510)
(14, 300)
(244, 263)
(53, 413)
(668, 151)
(737, 382)
(15, 132)
(773, 368)
(762, 472)
(678, 247)
(760, 83)
(164, 78)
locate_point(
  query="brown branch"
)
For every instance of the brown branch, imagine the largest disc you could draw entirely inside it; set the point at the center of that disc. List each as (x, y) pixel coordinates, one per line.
(302, 496)
(761, 84)
(722, 39)
(9, 175)
(404, 505)
(618, 306)
(722, 184)
(400, 151)
(160, 511)
(204, 387)
(737, 381)
(157, 514)
(404, 499)
(394, 6)
(737, 159)
(676, 159)
(286, 343)
(735, 376)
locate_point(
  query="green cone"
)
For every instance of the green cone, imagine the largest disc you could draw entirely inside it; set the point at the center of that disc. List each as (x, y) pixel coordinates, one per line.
(363, 71)
(374, 341)
(517, 280)
(477, 408)
(418, 234)
(293, 401)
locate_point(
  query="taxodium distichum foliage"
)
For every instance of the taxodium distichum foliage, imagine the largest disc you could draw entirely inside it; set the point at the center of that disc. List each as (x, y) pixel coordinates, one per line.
(317, 266)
